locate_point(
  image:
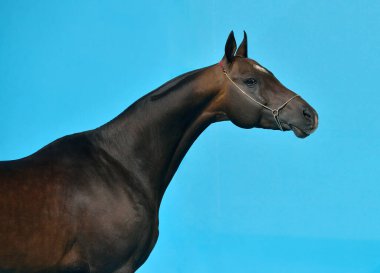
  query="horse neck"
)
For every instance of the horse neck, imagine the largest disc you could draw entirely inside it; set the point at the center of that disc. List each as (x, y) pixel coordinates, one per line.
(152, 136)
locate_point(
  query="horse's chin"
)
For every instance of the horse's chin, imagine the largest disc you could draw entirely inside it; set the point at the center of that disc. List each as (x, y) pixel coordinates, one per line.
(298, 132)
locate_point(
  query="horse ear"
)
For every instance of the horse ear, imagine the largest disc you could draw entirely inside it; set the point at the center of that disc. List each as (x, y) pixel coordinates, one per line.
(243, 47)
(230, 48)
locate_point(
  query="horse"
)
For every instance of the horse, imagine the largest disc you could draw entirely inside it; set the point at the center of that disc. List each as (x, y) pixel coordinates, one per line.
(89, 202)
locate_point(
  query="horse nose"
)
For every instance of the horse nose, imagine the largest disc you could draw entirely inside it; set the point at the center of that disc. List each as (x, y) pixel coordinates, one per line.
(311, 116)
(307, 114)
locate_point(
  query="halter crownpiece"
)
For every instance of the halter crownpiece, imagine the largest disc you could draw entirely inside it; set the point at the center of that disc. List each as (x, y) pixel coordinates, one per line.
(275, 112)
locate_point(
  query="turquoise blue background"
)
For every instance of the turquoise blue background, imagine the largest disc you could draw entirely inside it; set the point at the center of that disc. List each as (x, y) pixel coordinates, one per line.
(242, 200)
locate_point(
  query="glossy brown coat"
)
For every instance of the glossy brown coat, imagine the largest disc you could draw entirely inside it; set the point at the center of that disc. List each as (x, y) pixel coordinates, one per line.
(89, 202)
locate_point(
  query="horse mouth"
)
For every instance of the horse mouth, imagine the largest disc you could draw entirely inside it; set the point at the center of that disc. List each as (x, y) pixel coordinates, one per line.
(298, 131)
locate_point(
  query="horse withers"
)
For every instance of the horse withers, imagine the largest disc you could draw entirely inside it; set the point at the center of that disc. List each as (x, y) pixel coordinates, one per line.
(89, 202)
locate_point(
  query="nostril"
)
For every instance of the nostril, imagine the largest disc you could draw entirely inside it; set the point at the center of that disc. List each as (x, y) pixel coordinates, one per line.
(307, 114)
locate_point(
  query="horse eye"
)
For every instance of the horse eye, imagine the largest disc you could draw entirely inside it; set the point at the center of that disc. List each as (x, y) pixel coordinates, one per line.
(250, 82)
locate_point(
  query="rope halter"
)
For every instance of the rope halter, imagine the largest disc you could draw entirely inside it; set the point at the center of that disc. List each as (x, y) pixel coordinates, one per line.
(275, 111)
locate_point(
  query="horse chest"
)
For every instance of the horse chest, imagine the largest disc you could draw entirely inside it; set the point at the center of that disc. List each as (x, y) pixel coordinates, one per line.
(116, 227)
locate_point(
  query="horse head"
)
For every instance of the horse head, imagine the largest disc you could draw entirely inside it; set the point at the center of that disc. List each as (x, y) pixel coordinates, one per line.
(253, 97)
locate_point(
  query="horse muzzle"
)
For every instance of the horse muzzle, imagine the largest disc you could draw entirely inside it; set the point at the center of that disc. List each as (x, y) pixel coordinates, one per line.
(309, 123)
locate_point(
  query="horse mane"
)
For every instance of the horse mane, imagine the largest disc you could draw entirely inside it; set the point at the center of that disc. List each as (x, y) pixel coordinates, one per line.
(174, 83)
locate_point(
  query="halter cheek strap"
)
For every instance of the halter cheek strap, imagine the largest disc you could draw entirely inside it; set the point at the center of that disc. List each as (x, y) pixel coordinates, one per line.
(275, 112)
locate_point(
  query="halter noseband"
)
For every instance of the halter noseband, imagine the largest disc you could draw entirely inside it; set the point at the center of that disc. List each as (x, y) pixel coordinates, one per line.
(275, 112)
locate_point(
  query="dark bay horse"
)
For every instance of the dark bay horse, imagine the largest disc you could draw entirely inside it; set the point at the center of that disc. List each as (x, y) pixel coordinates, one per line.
(89, 202)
